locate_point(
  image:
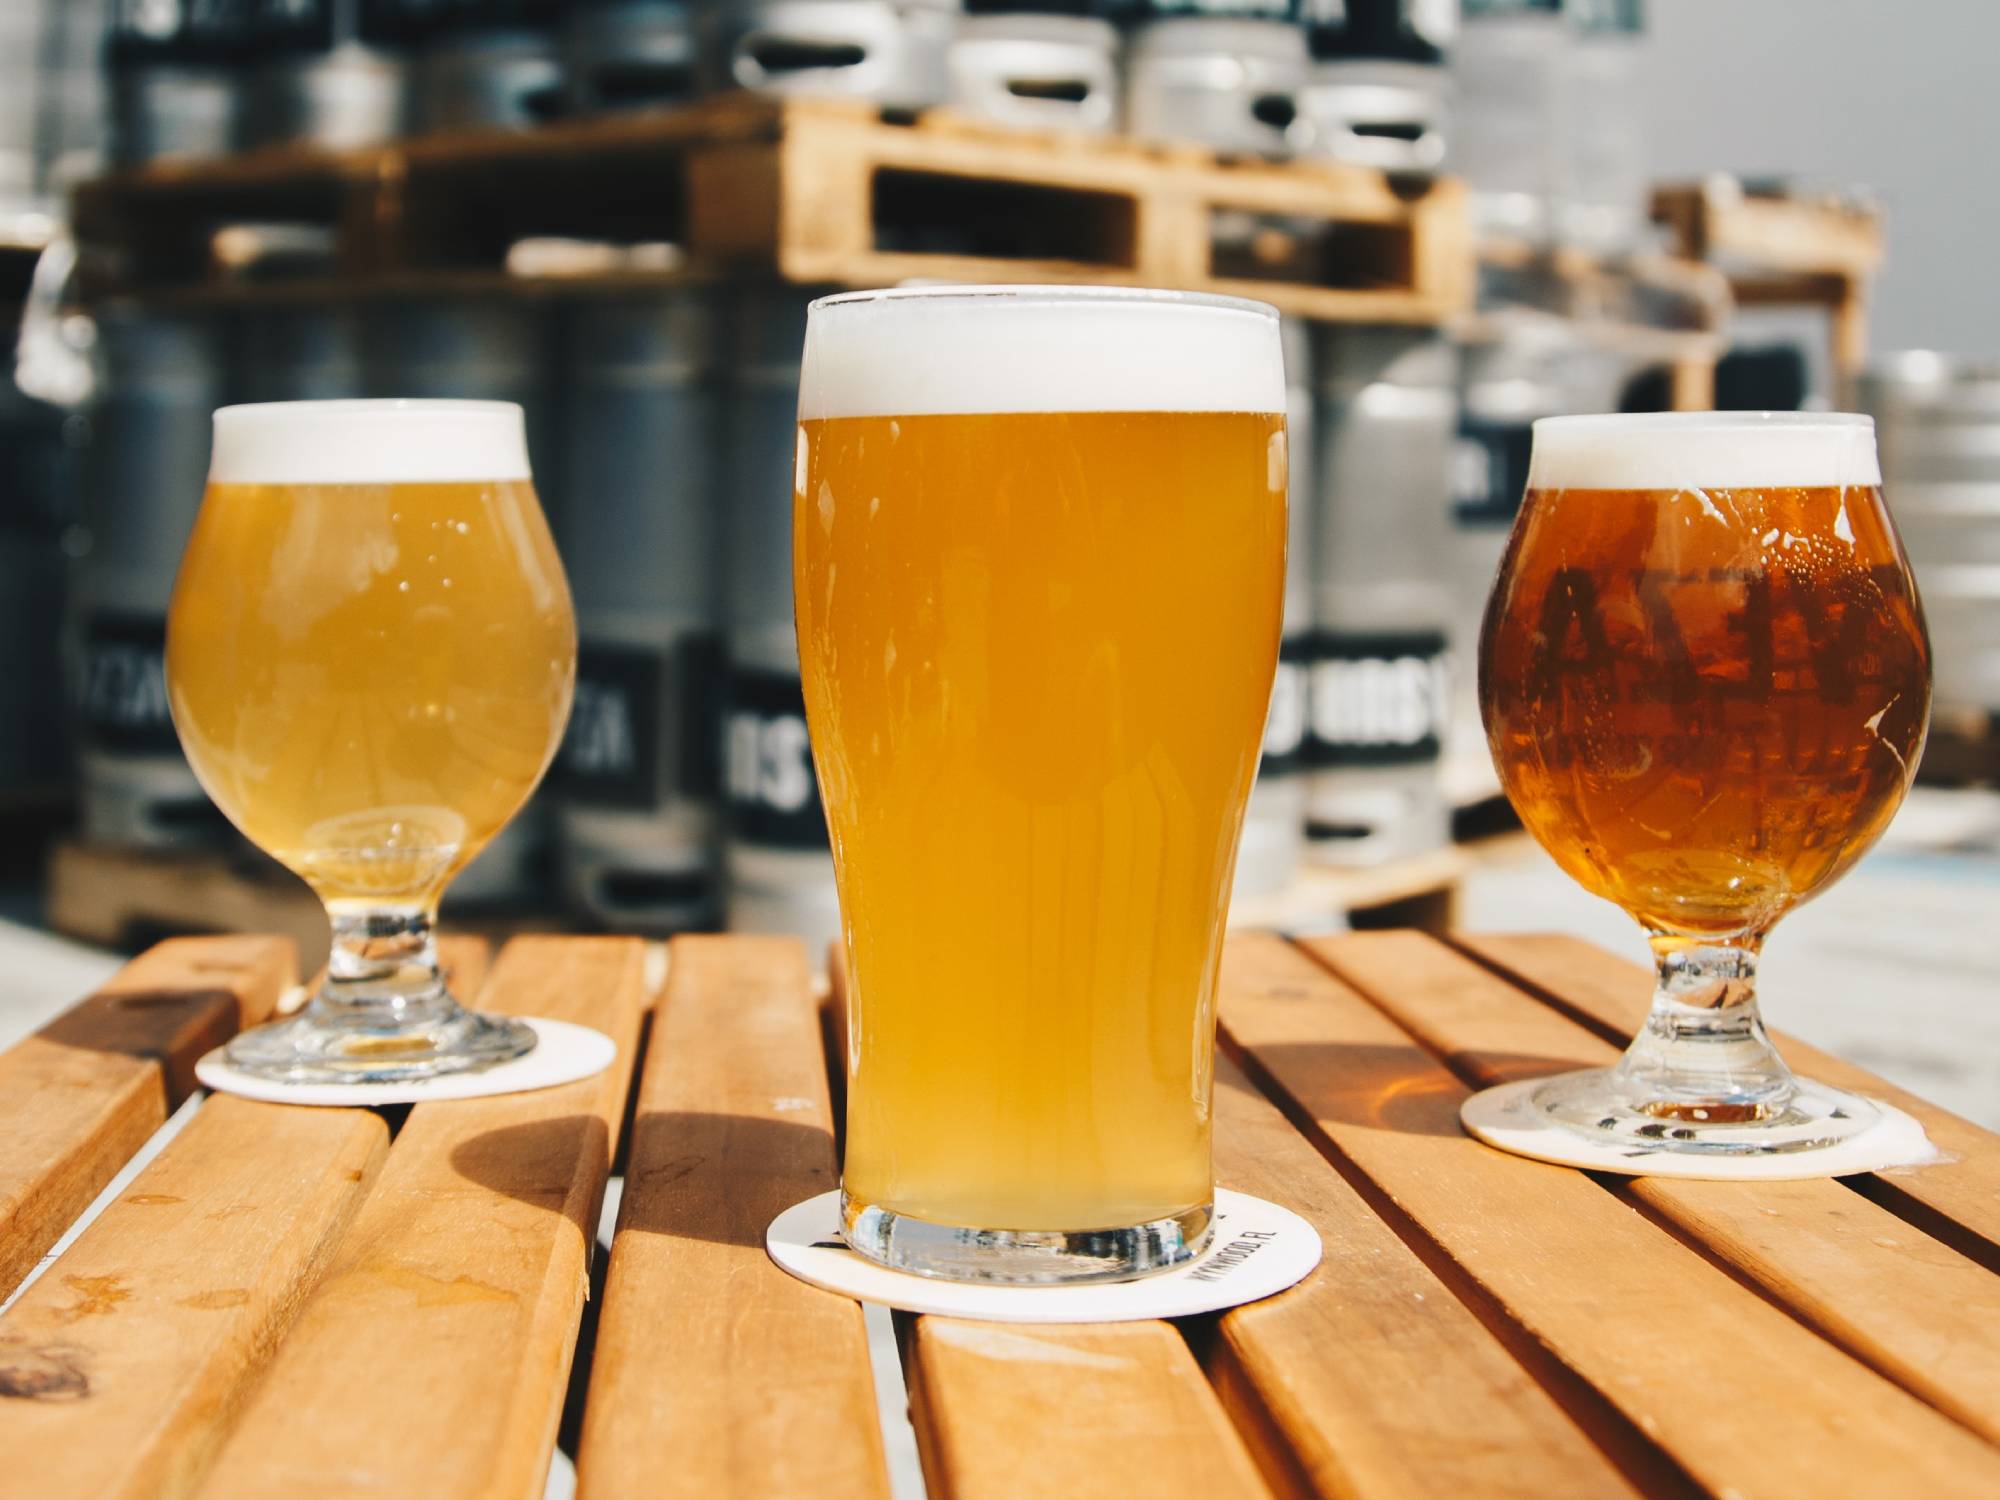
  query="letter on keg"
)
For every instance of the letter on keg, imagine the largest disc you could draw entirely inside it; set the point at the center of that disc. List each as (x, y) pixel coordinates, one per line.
(1038, 598)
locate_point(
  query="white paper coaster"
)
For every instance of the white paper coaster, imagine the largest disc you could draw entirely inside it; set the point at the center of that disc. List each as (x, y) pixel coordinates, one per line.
(1501, 1118)
(563, 1053)
(1257, 1248)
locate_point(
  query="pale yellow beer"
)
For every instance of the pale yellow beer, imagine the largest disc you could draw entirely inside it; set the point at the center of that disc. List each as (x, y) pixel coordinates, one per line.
(1038, 648)
(370, 679)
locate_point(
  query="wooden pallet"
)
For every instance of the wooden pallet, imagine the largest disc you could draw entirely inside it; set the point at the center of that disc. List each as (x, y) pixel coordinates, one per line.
(1804, 249)
(818, 192)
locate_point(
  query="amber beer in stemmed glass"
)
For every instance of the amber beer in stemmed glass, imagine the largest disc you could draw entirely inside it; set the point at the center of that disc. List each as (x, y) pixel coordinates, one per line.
(370, 656)
(1705, 679)
(1039, 548)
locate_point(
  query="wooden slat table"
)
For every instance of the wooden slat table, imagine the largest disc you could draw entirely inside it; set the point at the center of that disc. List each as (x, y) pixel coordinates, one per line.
(302, 1303)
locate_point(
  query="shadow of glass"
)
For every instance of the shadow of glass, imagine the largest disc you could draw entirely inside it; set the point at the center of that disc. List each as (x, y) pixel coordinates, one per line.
(1378, 1087)
(540, 1162)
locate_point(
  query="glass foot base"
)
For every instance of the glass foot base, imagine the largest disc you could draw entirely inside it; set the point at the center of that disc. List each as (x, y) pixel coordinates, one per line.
(313, 1048)
(1023, 1257)
(1602, 1105)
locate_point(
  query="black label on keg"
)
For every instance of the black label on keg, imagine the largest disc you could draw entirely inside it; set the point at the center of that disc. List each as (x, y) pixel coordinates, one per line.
(1377, 698)
(642, 728)
(1489, 472)
(767, 762)
(1285, 726)
(124, 703)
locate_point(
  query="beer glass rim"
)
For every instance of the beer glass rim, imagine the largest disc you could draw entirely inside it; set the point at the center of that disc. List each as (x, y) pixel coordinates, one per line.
(1696, 421)
(1051, 292)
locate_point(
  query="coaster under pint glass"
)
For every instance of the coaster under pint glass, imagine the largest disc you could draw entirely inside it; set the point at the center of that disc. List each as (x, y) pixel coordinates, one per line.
(1039, 548)
(370, 656)
(1705, 679)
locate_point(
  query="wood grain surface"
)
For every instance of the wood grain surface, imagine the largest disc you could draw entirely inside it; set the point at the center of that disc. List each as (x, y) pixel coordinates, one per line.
(432, 1358)
(716, 1373)
(81, 1095)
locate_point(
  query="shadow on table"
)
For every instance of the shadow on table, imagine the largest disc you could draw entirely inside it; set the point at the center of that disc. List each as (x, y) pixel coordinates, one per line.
(1400, 1088)
(689, 1174)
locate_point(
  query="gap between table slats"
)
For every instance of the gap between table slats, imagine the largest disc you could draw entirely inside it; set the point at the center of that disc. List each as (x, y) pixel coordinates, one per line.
(1345, 1384)
(1916, 1310)
(431, 1358)
(1731, 1389)
(716, 1373)
(1956, 1200)
(84, 1093)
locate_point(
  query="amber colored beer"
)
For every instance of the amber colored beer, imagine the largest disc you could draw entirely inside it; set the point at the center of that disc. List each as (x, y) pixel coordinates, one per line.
(1706, 703)
(370, 679)
(1037, 649)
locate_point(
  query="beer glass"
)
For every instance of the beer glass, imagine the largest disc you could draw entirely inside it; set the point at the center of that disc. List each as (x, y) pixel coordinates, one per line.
(1705, 679)
(1039, 557)
(370, 656)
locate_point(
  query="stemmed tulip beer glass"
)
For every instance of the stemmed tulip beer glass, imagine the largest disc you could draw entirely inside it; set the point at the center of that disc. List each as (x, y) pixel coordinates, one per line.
(1705, 680)
(370, 657)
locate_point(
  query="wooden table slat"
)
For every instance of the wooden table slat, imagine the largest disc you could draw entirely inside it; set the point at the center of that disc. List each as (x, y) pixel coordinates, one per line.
(1957, 1199)
(1080, 1410)
(1916, 1310)
(715, 1372)
(126, 1358)
(1742, 1397)
(1344, 1384)
(84, 1093)
(431, 1360)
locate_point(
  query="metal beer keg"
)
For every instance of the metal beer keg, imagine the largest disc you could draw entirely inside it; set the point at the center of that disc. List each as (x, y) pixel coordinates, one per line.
(1229, 80)
(628, 54)
(1509, 130)
(300, 352)
(316, 78)
(1379, 688)
(38, 451)
(1038, 64)
(778, 869)
(484, 63)
(1505, 382)
(636, 783)
(1379, 94)
(164, 375)
(173, 79)
(1937, 420)
(1605, 180)
(890, 51)
(475, 349)
(1274, 826)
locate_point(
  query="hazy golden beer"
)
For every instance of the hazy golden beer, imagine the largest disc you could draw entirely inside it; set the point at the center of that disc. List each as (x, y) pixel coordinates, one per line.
(370, 679)
(1705, 680)
(370, 657)
(1037, 646)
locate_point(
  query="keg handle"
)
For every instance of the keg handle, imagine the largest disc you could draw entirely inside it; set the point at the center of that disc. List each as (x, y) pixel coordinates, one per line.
(769, 56)
(52, 355)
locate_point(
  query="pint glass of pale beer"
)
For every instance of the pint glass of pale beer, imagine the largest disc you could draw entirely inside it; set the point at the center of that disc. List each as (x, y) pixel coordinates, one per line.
(1039, 555)
(370, 655)
(1705, 679)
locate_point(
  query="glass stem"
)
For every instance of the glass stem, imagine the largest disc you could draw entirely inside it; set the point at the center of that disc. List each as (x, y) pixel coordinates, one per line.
(382, 970)
(1703, 1055)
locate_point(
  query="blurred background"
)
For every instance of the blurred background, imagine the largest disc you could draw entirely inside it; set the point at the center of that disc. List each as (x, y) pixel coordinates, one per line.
(614, 213)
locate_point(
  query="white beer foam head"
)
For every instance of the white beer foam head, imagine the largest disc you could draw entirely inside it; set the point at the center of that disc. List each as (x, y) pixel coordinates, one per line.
(1704, 450)
(922, 351)
(368, 442)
